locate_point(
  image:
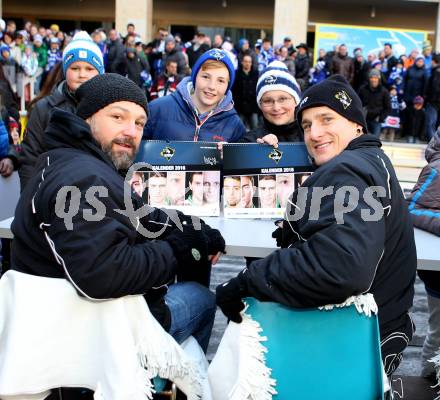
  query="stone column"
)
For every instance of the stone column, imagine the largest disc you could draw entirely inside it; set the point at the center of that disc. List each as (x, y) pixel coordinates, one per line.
(290, 19)
(137, 12)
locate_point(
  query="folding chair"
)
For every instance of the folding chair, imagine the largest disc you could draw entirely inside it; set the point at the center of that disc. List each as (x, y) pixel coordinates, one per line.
(318, 354)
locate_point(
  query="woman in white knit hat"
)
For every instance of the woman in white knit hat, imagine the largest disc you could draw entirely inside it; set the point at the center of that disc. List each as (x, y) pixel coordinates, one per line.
(278, 94)
(82, 60)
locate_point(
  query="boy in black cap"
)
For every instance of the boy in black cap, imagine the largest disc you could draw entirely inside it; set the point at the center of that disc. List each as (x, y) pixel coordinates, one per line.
(328, 255)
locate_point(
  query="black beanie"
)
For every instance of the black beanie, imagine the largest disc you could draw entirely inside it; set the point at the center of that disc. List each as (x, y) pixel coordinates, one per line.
(336, 93)
(105, 89)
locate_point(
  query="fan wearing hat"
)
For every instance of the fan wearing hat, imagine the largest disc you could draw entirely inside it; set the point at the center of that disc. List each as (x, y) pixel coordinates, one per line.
(427, 54)
(278, 94)
(336, 243)
(415, 80)
(303, 64)
(81, 60)
(41, 49)
(202, 107)
(414, 124)
(54, 55)
(376, 101)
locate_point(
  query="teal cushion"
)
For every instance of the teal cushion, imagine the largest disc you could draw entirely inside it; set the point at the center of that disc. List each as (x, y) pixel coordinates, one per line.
(317, 354)
(159, 384)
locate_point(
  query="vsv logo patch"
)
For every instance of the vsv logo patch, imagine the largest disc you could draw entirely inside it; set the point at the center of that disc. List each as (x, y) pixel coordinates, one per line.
(276, 155)
(168, 153)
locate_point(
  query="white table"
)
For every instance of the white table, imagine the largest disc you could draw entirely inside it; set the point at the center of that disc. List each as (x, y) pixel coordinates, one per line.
(253, 238)
(5, 228)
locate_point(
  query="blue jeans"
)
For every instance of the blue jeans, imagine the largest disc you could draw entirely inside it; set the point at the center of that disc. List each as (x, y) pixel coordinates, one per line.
(431, 121)
(192, 308)
(374, 127)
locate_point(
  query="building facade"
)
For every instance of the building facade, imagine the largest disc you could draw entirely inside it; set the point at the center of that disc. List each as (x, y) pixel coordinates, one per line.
(236, 18)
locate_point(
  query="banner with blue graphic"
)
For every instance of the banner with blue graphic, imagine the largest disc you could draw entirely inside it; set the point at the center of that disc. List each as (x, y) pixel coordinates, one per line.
(369, 39)
(180, 175)
(258, 179)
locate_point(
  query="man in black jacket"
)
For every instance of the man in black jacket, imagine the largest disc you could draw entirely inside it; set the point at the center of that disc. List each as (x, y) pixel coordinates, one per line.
(302, 65)
(197, 48)
(337, 241)
(432, 98)
(244, 92)
(376, 102)
(389, 61)
(75, 218)
(116, 53)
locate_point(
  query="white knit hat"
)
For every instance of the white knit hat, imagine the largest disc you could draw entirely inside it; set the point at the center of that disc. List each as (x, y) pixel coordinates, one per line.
(83, 48)
(277, 77)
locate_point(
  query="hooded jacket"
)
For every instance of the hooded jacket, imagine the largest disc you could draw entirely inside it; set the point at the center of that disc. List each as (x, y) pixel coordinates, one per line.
(175, 117)
(97, 249)
(424, 205)
(34, 138)
(328, 256)
(415, 81)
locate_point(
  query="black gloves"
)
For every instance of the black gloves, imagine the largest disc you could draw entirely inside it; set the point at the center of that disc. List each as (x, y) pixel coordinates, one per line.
(277, 234)
(190, 248)
(229, 295)
(216, 243)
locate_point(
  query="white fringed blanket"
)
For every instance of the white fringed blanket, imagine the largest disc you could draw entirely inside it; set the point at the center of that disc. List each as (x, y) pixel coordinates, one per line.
(50, 337)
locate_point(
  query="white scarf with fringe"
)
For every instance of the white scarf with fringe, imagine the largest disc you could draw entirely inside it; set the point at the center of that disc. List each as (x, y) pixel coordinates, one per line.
(50, 337)
(436, 361)
(239, 371)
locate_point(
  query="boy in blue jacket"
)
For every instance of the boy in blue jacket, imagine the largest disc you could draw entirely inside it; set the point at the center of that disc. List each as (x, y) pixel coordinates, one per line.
(201, 108)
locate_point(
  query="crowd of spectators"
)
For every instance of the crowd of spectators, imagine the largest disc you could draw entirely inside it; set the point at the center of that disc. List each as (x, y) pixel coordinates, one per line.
(400, 94)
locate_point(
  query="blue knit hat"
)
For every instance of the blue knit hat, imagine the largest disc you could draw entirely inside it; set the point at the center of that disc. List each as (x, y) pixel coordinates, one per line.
(83, 48)
(277, 77)
(3, 48)
(216, 55)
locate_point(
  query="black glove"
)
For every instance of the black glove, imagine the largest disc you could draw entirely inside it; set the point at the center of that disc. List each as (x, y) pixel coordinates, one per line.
(216, 242)
(277, 234)
(229, 295)
(190, 248)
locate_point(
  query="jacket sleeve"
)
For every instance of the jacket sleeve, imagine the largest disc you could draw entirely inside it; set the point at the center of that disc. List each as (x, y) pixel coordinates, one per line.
(100, 257)
(239, 130)
(386, 105)
(424, 200)
(250, 137)
(13, 156)
(149, 126)
(351, 71)
(32, 145)
(336, 260)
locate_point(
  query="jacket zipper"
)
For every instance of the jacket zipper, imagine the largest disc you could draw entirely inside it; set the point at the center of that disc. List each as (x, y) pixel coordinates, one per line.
(200, 123)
